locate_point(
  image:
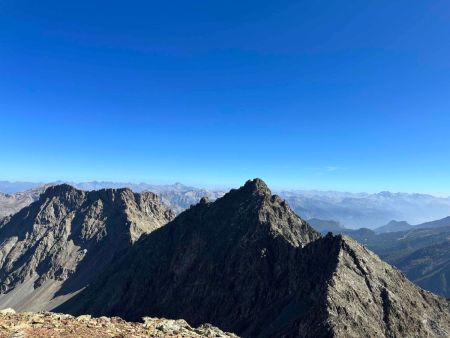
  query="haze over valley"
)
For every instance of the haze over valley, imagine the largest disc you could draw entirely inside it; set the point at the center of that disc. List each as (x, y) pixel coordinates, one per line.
(353, 210)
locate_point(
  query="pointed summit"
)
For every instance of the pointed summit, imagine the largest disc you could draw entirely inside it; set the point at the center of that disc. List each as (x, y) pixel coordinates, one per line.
(64, 191)
(257, 185)
(235, 248)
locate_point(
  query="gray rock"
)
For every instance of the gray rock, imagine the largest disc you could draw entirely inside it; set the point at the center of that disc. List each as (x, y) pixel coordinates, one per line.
(53, 248)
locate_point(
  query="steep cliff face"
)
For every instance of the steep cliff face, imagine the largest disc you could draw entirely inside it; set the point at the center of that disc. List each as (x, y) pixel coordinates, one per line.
(57, 245)
(247, 264)
(367, 297)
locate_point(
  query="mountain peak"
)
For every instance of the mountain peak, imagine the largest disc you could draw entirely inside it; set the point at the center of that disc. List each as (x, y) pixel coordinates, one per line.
(257, 185)
(394, 226)
(264, 214)
(78, 233)
(59, 189)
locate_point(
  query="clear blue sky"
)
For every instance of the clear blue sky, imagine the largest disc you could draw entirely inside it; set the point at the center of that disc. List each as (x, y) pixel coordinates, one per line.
(344, 95)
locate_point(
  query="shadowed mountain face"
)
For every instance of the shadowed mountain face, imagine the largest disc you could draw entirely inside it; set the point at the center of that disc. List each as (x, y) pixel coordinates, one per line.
(57, 245)
(247, 264)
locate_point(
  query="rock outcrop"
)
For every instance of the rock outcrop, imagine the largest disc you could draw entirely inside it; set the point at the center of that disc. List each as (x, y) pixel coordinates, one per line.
(44, 325)
(56, 246)
(249, 265)
(367, 297)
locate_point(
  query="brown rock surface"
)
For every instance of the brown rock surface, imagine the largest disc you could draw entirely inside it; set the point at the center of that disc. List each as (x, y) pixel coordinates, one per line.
(48, 325)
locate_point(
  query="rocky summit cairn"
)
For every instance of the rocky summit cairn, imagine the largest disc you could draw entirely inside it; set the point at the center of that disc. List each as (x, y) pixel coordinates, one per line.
(57, 245)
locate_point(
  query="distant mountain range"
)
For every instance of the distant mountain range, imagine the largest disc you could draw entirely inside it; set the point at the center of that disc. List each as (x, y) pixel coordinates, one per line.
(350, 209)
(245, 263)
(367, 210)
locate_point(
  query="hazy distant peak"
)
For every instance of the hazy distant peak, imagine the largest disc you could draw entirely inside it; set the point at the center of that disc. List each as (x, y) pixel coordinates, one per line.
(394, 226)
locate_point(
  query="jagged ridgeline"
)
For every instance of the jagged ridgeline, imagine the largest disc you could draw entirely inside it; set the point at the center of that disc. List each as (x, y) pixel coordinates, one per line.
(248, 264)
(245, 263)
(56, 246)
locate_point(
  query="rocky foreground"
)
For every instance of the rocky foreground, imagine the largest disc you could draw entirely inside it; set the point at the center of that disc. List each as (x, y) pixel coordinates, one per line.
(46, 324)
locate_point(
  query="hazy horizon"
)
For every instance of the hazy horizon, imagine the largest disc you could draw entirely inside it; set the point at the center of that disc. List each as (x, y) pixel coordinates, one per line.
(212, 187)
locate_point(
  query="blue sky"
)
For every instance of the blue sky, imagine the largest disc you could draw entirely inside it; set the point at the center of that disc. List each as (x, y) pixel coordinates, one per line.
(343, 95)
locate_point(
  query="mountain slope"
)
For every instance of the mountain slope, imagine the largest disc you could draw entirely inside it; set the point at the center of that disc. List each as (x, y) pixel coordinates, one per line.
(429, 267)
(435, 224)
(53, 248)
(247, 264)
(369, 298)
(423, 254)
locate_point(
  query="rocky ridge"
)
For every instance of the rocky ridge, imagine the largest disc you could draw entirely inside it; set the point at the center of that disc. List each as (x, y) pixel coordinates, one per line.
(53, 248)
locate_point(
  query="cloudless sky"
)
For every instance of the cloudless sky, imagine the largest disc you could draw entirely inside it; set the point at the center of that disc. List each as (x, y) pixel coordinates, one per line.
(342, 95)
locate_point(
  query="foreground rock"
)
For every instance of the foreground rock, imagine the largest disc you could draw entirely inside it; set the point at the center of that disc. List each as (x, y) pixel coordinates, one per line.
(56, 246)
(44, 325)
